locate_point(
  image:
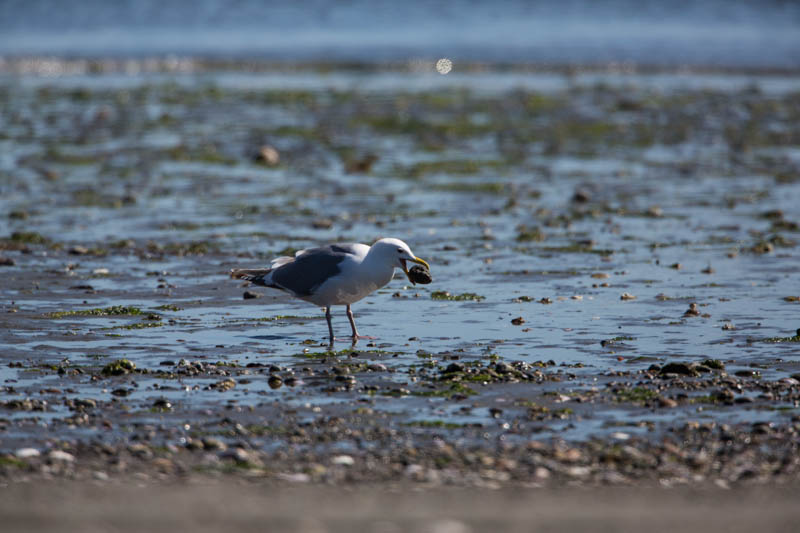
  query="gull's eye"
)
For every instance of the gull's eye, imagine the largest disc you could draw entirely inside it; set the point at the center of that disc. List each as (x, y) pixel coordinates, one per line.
(399, 250)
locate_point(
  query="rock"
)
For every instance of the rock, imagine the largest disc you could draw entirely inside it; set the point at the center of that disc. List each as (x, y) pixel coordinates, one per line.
(224, 385)
(162, 464)
(239, 455)
(26, 453)
(211, 443)
(140, 450)
(518, 321)
(162, 403)
(581, 196)
(268, 155)
(293, 477)
(322, 223)
(250, 295)
(6, 261)
(669, 403)
(683, 369)
(85, 403)
(578, 471)
(78, 250)
(541, 473)
(570, 455)
(344, 460)
(627, 296)
(692, 311)
(360, 165)
(723, 395)
(453, 368)
(503, 368)
(274, 382)
(25, 404)
(61, 456)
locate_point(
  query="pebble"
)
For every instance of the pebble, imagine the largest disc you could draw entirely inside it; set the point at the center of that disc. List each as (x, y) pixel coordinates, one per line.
(518, 321)
(541, 473)
(62, 456)
(268, 155)
(211, 443)
(683, 369)
(250, 295)
(26, 453)
(627, 296)
(344, 460)
(294, 477)
(669, 403)
(692, 311)
(79, 250)
(240, 455)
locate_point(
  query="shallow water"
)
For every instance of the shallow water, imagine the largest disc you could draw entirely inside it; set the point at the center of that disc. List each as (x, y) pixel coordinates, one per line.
(574, 190)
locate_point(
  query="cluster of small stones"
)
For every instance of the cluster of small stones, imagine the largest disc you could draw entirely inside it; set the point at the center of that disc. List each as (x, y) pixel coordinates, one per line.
(691, 453)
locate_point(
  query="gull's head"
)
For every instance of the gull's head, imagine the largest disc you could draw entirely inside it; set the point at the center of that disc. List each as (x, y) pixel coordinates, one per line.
(396, 253)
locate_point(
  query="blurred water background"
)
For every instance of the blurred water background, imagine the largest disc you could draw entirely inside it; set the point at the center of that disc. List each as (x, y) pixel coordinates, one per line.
(724, 34)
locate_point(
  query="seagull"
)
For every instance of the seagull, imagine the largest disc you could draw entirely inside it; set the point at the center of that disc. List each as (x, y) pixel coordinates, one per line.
(336, 274)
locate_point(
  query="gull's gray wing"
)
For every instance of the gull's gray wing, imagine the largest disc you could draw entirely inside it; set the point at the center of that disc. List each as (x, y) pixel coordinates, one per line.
(311, 268)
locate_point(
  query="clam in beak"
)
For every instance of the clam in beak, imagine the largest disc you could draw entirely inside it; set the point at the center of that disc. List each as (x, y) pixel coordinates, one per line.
(413, 260)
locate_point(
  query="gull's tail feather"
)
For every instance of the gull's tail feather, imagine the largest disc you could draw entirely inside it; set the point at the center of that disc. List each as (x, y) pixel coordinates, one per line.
(257, 276)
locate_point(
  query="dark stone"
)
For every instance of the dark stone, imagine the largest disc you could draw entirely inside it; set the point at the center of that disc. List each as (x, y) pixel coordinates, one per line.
(452, 368)
(683, 369)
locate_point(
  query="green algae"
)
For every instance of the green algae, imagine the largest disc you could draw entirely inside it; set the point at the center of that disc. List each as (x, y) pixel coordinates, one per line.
(28, 237)
(455, 389)
(138, 325)
(116, 310)
(168, 307)
(637, 395)
(118, 368)
(458, 167)
(463, 297)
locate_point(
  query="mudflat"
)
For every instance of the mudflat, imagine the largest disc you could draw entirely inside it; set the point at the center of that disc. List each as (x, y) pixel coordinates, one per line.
(614, 298)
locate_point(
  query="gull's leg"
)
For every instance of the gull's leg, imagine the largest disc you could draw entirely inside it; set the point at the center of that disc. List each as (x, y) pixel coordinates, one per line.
(356, 336)
(330, 325)
(352, 322)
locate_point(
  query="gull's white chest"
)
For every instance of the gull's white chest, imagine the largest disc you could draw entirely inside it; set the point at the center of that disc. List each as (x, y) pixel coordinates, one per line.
(354, 282)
